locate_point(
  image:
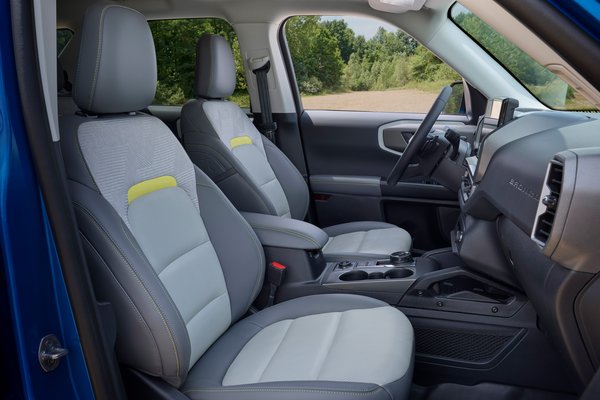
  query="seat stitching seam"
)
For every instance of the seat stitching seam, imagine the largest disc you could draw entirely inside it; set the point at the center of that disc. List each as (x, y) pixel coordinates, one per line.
(245, 175)
(206, 305)
(135, 308)
(87, 167)
(251, 233)
(98, 54)
(131, 269)
(293, 168)
(292, 389)
(168, 264)
(269, 181)
(167, 295)
(285, 197)
(361, 241)
(276, 349)
(331, 339)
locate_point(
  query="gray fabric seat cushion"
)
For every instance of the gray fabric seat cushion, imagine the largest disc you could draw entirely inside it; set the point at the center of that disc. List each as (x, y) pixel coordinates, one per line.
(365, 240)
(325, 346)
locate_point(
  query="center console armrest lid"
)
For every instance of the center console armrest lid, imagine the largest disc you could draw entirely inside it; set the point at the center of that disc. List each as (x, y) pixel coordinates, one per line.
(273, 231)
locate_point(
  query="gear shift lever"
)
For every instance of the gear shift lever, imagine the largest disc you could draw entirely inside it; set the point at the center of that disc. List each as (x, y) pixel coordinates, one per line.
(401, 257)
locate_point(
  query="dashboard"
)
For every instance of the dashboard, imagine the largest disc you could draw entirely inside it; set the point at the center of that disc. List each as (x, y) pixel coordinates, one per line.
(530, 218)
(512, 162)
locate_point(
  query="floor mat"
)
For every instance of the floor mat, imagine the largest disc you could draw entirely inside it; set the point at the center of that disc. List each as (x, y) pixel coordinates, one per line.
(483, 391)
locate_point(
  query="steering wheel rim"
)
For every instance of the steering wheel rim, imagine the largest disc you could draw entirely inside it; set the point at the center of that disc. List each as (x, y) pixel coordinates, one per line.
(420, 136)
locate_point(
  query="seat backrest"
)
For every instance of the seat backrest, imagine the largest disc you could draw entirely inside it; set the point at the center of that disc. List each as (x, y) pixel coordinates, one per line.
(158, 234)
(220, 139)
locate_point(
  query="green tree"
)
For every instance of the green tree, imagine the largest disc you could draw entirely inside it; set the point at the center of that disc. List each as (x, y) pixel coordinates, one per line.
(425, 66)
(175, 42)
(513, 58)
(343, 35)
(315, 54)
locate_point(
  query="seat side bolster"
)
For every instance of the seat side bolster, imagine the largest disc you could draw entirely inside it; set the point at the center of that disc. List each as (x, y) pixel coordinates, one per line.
(292, 182)
(235, 243)
(208, 152)
(123, 276)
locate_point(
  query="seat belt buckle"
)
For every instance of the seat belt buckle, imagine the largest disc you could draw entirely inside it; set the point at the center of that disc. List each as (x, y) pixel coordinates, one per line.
(275, 276)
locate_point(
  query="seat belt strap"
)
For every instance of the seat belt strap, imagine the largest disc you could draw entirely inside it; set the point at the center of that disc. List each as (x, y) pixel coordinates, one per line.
(260, 68)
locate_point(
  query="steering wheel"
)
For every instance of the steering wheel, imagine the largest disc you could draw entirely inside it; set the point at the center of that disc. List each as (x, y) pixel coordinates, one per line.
(420, 137)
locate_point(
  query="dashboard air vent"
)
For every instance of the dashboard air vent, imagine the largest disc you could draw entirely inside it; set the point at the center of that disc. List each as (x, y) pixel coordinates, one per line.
(549, 201)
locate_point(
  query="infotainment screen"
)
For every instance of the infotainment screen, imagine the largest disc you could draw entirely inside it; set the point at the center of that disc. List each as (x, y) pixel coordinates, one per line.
(503, 110)
(496, 108)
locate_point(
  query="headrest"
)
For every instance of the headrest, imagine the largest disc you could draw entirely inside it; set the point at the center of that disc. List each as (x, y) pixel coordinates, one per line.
(116, 66)
(215, 68)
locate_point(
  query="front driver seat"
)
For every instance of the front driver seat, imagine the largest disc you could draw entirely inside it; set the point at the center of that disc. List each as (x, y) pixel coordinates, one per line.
(252, 172)
(180, 265)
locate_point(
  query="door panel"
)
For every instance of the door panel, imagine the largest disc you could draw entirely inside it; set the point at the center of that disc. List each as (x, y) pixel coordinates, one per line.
(394, 137)
(349, 154)
(347, 143)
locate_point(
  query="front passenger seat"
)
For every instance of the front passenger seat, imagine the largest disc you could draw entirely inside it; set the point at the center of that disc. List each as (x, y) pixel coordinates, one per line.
(181, 266)
(254, 174)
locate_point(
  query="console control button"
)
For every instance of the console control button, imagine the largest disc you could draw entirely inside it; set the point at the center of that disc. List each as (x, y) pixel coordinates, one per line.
(401, 257)
(344, 265)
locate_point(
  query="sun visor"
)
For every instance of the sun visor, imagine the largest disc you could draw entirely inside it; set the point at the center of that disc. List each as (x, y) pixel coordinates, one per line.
(397, 6)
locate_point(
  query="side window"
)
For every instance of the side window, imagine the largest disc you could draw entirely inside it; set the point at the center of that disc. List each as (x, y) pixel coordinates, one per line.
(175, 42)
(362, 64)
(63, 37)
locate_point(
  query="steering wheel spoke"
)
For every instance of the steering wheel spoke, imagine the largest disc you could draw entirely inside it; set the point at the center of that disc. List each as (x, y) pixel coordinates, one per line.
(420, 137)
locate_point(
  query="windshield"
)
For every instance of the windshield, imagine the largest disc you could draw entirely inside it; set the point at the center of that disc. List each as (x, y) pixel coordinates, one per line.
(543, 84)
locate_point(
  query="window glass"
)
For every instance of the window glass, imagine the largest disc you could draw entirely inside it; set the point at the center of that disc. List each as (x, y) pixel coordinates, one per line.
(175, 42)
(63, 37)
(543, 84)
(362, 64)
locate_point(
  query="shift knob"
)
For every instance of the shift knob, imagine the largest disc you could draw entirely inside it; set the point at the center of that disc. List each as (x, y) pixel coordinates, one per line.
(400, 257)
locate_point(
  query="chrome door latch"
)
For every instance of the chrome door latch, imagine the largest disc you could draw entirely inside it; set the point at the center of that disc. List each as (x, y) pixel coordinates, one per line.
(50, 353)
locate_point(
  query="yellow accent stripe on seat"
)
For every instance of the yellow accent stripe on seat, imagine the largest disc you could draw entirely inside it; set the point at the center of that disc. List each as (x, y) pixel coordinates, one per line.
(239, 141)
(151, 185)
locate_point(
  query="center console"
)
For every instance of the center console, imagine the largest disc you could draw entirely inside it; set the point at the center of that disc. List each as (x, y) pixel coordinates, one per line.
(297, 245)
(434, 281)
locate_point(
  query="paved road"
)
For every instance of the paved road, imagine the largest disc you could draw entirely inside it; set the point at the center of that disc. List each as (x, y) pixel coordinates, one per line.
(401, 100)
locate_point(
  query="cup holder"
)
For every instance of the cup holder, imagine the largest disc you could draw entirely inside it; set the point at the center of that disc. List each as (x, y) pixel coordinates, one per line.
(376, 275)
(361, 275)
(398, 273)
(355, 275)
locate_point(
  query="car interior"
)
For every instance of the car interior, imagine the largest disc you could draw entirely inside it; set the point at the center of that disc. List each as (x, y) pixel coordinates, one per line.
(272, 250)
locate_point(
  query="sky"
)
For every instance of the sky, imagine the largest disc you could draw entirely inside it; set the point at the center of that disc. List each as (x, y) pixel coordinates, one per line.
(364, 26)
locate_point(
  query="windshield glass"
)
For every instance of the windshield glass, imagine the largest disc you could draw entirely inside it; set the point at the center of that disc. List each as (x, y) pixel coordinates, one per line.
(543, 84)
